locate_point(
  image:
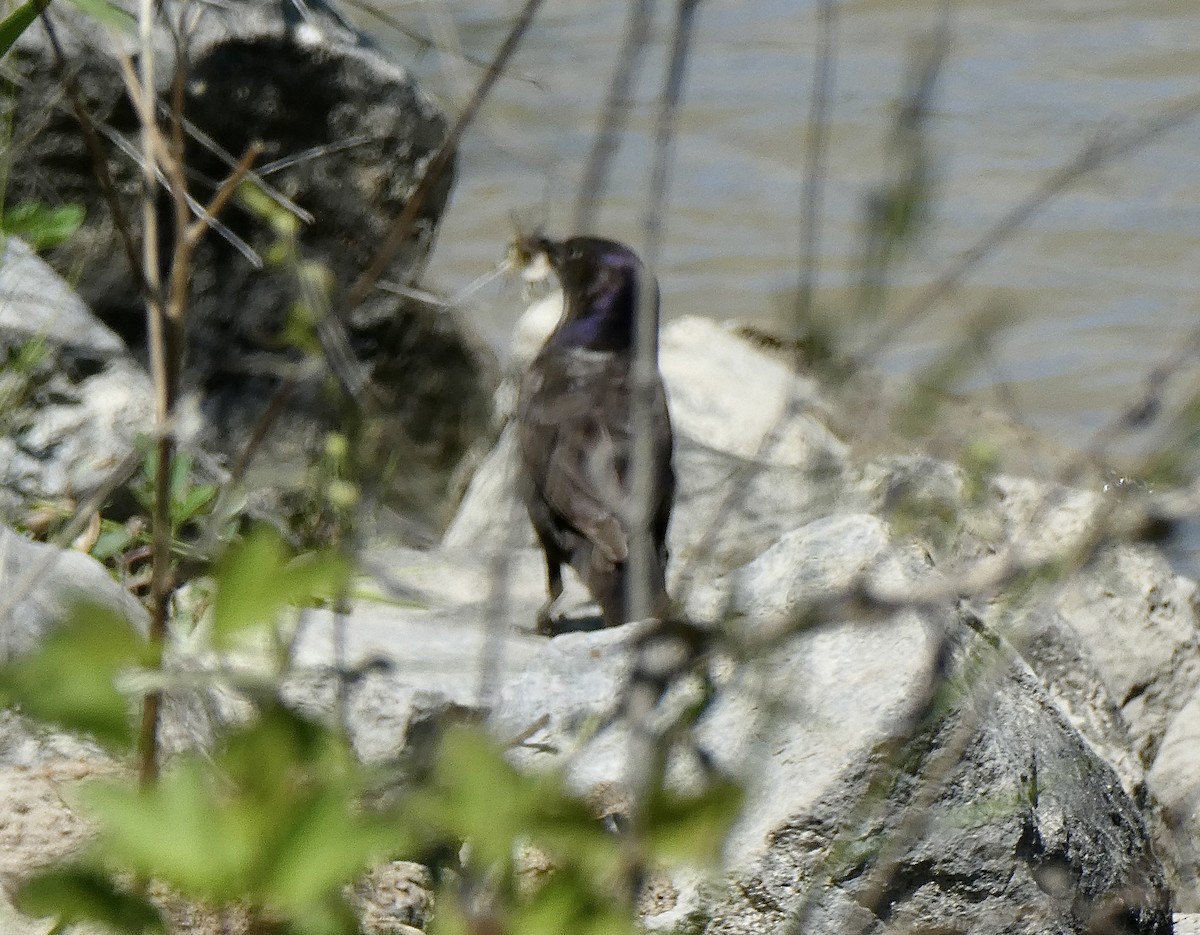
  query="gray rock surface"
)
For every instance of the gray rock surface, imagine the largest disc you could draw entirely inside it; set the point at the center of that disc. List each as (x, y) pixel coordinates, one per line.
(40, 585)
(1003, 817)
(1000, 821)
(72, 399)
(1187, 923)
(959, 530)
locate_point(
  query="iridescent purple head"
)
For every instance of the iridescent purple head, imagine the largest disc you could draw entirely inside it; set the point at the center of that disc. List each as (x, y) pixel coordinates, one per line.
(601, 282)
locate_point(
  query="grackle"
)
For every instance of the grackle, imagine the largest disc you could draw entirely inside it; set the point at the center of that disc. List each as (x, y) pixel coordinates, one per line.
(576, 428)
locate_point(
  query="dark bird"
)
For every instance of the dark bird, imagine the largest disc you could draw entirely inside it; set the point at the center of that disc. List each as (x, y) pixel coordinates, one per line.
(576, 428)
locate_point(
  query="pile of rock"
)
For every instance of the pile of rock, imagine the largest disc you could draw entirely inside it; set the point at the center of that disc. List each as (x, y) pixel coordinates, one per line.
(988, 764)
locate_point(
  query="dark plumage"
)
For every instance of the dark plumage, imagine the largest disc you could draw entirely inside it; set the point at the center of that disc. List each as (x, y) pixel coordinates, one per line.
(576, 431)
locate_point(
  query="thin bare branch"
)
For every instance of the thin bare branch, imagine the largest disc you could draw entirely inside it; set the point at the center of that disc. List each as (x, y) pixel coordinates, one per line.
(142, 92)
(91, 141)
(647, 748)
(257, 176)
(614, 116)
(438, 164)
(424, 42)
(645, 364)
(247, 252)
(197, 228)
(814, 171)
(311, 154)
(1105, 149)
(400, 228)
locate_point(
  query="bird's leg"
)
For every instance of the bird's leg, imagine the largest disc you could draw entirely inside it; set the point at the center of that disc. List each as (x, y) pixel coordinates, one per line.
(545, 621)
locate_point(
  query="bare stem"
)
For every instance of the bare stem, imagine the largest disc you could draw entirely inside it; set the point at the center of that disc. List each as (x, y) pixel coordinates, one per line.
(91, 140)
(614, 116)
(647, 749)
(814, 172)
(159, 368)
(437, 165)
(645, 365)
(1102, 151)
(165, 324)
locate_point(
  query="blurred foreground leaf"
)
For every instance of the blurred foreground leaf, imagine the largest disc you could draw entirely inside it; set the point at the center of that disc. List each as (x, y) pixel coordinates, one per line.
(80, 894)
(570, 902)
(18, 21)
(274, 822)
(476, 795)
(692, 828)
(260, 576)
(35, 223)
(70, 679)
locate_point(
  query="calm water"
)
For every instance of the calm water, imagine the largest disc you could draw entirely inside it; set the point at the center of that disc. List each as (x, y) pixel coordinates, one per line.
(1101, 285)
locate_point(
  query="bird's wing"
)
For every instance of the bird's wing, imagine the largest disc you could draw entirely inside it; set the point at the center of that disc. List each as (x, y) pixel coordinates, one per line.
(573, 445)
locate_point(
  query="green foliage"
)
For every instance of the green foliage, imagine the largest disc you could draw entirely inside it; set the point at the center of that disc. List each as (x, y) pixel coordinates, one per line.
(20, 374)
(260, 576)
(18, 21)
(273, 822)
(27, 357)
(692, 829)
(82, 894)
(570, 902)
(259, 203)
(190, 504)
(187, 500)
(41, 226)
(474, 795)
(71, 680)
(108, 15)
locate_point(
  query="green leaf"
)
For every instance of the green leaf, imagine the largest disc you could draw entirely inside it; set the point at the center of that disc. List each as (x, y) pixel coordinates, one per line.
(18, 21)
(114, 539)
(278, 822)
(259, 203)
(70, 680)
(108, 14)
(692, 828)
(181, 472)
(180, 831)
(258, 577)
(282, 743)
(26, 357)
(475, 794)
(78, 894)
(326, 846)
(192, 502)
(38, 225)
(570, 902)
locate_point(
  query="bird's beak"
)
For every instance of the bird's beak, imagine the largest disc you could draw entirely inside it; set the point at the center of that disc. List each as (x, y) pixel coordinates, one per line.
(544, 255)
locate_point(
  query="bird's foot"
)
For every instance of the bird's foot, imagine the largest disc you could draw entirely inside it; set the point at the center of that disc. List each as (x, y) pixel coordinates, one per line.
(547, 620)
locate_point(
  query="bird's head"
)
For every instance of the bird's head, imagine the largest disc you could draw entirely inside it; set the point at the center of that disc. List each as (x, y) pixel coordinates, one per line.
(601, 282)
